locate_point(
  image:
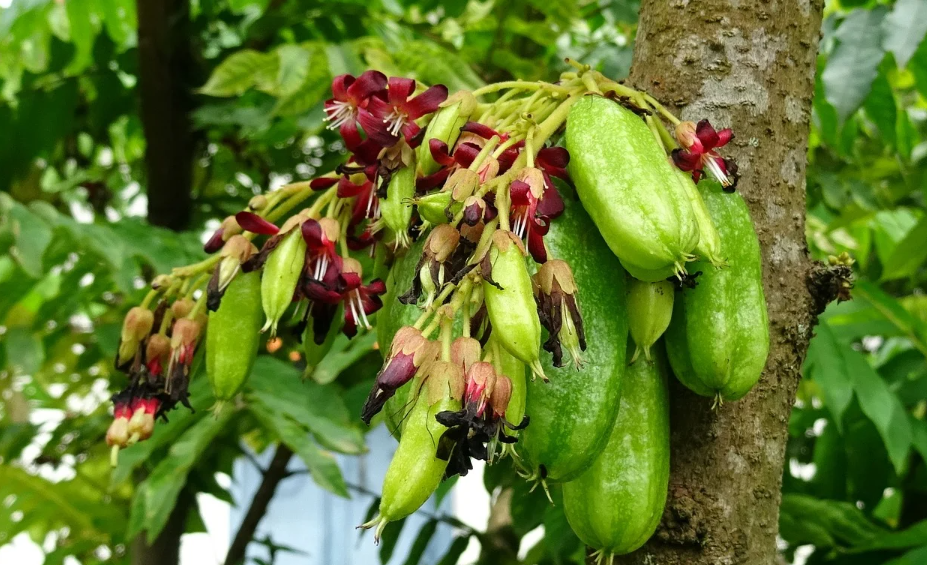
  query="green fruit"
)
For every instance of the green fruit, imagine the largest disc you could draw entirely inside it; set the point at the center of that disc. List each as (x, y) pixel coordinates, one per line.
(396, 208)
(432, 207)
(281, 274)
(415, 471)
(445, 126)
(232, 336)
(718, 339)
(571, 415)
(616, 505)
(650, 307)
(514, 369)
(510, 302)
(629, 187)
(709, 241)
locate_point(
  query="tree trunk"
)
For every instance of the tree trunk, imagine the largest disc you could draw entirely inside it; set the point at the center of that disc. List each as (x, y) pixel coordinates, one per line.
(165, 549)
(165, 71)
(747, 64)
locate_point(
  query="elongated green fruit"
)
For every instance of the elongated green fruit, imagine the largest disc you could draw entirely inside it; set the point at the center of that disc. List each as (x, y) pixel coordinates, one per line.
(650, 307)
(510, 305)
(514, 369)
(616, 505)
(396, 208)
(646, 275)
(232, 337)
(719, 336)
(628, 186)
(709, 241)
(415, 472)
(571, 415)
(445, 126)
(281, 274)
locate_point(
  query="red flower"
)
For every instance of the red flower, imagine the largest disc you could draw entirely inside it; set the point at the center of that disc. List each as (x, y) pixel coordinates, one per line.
(534, 204)
(344, 287)
(349, 96)
(698, 152)
(384, 120)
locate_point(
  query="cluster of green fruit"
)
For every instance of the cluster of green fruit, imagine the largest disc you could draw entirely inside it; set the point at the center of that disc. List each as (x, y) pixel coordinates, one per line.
(487, 261)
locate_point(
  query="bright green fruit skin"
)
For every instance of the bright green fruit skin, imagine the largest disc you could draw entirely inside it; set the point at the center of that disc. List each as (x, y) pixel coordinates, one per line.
(650, 307)
(709, 241)
(646, 275)
(512, 310)
(718, 339)
(281, 274)
(444, 126)
(232, 336)
(571, 415)
(514, 369)
(393, 316)
(616, 505)
(628, 186)
(396, 208)
(415, 471)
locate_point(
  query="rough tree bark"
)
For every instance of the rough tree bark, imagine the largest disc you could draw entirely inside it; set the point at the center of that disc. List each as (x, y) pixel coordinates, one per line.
(748, 64)
(165, 71)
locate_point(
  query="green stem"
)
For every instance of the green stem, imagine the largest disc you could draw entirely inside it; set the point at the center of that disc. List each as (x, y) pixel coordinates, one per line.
(148, 298)
(486, 151)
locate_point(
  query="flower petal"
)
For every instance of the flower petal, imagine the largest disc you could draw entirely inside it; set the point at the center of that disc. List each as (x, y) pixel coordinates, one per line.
(440, 152)
(340, 85)
(426, 102)
(322, 183)
(400, 88)
(551, 204)
(366, 85)
(253, 223)
(707, 135)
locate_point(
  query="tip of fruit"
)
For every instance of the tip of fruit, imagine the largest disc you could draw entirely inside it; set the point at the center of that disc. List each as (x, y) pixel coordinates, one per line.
(538, 371)
(217, 408)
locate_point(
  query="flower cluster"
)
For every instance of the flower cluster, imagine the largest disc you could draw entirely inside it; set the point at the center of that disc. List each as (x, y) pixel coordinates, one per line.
(698, 153)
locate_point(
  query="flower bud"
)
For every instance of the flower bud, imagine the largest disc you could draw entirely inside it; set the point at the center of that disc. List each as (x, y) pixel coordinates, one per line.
(157, 354)
(500, 396)
(141, 424)
(228, 228)
(182, 308)
(481, 378)
(445, 380)
(534, 178)
(161, 281)
(555, 294)
(236, 251)
(257, 203)
(185, 334)
(442, 242)
(462, 183)
(685, 135)
(409, 352)
(135, 328)
(118, 432)
(474, 210)
(465, 351)
(432, 207)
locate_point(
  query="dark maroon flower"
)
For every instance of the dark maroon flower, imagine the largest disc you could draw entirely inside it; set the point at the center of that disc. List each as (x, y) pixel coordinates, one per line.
(344, 287)
(320, 237)
(349, 95)
(699, 142)
(384, 120)
(408, 352)
(555, 295)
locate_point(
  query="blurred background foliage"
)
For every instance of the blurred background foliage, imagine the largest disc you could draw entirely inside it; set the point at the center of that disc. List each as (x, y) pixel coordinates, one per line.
(78, 250)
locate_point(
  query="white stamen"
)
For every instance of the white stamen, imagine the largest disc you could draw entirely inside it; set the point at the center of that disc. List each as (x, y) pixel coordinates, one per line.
(716, 171)
(395, 120)
(360, 308)
(339, 113)
(370, 201)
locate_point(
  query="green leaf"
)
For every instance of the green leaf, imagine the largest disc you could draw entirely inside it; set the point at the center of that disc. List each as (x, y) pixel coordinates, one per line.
(82, 35)
(165, 482)
(321, 465)
(918, 67)
(893, 311)
(904, 29)
(880, 107)
(458, 546)
(293, 69)
(344, 353)
(314, 87)
(919, 437)
(421, 542)
(389, 538)
(912, 536)
(914, 557)
(24, 350)
(824, 523)
(908, 255)
(855, 61)
(31, 235)
(825, 364)
(279, 386)
(881, 406)
(240, 71)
